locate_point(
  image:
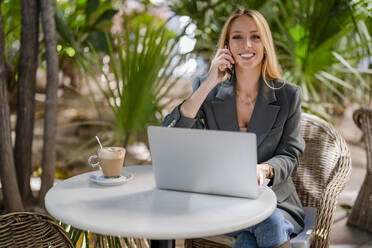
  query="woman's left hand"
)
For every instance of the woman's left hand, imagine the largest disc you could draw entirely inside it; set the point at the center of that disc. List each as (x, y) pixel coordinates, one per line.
(264, 171)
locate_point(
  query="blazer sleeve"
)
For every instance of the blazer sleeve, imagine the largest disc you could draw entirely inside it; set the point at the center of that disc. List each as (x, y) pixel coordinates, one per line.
(176, 119)
(291, 146)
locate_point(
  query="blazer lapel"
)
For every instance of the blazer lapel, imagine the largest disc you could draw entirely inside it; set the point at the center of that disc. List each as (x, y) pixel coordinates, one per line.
(224, 107)
(264, 114)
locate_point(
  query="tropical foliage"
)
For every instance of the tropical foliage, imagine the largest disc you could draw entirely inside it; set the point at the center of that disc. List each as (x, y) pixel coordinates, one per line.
(308, 41)
(138, 74)
(81, 24)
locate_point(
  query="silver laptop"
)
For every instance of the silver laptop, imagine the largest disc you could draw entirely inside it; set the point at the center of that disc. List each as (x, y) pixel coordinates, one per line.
(204, 161)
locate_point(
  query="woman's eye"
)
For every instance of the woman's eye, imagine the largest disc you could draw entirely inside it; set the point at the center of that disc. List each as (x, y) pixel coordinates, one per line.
(255, 37)
(236, 37)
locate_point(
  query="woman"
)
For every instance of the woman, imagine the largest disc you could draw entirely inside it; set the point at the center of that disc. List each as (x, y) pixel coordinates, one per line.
(256, 100)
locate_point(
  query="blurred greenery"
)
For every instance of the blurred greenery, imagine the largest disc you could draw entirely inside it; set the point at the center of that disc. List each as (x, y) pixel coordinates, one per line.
(11, 11)
(313, 30)
(83, 23)
(138, 75)
(80, 24)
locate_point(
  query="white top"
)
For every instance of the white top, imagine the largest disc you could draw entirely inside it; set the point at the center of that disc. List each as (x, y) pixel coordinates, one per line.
(138, 209)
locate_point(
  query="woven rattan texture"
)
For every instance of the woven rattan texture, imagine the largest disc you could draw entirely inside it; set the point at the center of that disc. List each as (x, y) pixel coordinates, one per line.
(203, 243)
(361, 214)
(323, 173)
(24, 229)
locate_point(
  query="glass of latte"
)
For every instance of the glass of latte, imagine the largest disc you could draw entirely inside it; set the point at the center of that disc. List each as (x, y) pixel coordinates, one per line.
(110, 160)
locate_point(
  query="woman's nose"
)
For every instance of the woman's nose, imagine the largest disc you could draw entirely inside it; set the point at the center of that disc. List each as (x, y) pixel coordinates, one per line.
(248, 43)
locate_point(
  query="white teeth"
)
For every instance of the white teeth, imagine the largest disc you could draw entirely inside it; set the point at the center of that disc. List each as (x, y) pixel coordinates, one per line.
(248, 55)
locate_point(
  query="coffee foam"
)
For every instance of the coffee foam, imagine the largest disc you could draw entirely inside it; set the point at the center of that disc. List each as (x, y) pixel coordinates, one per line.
(111, 152)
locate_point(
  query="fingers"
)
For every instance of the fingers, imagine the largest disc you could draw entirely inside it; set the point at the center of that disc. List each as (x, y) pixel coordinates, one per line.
(221, 63)
(224, 61)
(222, 51)
(262, 178)
(225, 54)
(261, 174)
(226, 57)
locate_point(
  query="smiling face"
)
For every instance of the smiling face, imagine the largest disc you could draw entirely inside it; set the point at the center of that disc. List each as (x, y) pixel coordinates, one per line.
(245, 43)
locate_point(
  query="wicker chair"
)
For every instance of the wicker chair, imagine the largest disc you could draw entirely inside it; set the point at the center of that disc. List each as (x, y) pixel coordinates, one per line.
(323, 172)
(361, 214)
(25, 229)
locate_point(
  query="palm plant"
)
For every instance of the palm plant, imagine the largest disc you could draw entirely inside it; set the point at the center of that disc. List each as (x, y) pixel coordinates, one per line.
(138, 76)
(361, 78)
(312, 30)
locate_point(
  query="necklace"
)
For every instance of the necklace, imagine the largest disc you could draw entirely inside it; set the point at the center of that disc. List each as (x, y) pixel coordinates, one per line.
(249, 102)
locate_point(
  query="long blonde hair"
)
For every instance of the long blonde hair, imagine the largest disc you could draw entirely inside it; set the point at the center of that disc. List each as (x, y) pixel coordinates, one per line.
(270, 66)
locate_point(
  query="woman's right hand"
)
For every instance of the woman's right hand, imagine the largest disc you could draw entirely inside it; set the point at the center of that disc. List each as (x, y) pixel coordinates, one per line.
(217, 71)
(220, 65)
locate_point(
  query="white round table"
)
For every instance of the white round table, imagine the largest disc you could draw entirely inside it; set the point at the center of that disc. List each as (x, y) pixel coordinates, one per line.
(138, 209)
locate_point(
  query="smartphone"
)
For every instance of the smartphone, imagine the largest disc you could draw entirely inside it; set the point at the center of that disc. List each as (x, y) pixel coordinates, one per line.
(230, 70)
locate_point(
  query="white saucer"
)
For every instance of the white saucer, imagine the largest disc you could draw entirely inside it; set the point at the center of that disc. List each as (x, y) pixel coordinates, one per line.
(101, 180)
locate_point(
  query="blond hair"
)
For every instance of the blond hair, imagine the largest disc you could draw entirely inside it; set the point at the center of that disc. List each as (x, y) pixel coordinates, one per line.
(270, 66)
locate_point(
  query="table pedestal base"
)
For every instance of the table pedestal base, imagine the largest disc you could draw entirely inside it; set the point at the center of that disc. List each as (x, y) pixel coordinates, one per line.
(162, 243)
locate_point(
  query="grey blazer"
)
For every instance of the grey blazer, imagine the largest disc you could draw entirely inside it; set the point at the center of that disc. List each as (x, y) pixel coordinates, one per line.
(276, 123)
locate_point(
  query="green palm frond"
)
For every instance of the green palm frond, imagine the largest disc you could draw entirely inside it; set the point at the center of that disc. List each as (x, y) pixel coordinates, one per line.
(308, 34)
(141, 65)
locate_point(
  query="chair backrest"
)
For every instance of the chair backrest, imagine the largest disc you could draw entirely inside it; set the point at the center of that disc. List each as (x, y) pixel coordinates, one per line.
(25, 229)
(326, 156)
(323, 172)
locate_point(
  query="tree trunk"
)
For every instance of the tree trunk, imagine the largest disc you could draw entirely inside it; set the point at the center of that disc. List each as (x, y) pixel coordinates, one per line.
(28, 62)
(11, 195)
(50, 120)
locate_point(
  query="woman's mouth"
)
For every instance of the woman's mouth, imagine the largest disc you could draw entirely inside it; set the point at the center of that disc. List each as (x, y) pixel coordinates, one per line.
(247, 56)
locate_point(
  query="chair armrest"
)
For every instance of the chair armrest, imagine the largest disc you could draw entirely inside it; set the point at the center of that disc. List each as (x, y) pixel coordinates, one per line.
(330, 196)
(305, 238)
